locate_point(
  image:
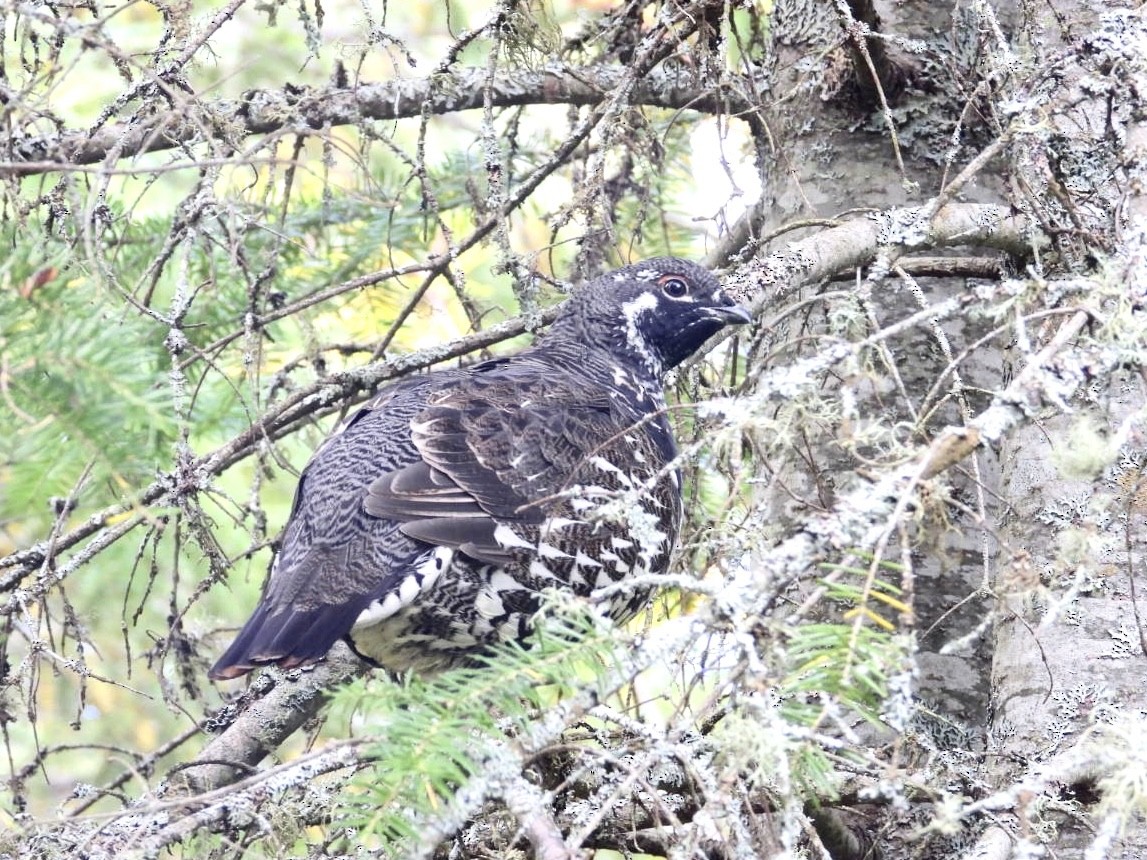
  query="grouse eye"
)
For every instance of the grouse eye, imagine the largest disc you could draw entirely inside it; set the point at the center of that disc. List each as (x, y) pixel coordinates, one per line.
(674, 287)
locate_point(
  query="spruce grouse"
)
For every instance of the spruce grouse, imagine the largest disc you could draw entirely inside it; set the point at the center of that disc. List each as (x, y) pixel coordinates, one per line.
(428, 525)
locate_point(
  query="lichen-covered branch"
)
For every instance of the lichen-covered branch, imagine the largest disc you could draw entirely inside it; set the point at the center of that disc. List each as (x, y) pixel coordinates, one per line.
(257, 722)
(295, 110)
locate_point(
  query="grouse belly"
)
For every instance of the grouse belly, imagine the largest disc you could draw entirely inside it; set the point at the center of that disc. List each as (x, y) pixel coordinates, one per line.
(449, 608)
(460, 610)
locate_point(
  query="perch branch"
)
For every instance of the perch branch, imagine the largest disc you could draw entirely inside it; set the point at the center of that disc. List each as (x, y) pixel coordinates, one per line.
(275, 706)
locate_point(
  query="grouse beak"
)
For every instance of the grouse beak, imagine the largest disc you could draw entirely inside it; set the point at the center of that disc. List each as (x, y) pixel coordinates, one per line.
(732, 314)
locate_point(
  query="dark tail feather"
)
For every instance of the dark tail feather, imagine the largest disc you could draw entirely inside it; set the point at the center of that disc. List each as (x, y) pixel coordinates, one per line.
(288, 638)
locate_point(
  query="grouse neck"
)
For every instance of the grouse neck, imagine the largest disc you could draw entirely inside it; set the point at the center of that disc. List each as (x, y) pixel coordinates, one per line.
(607, 339)
(614, 366)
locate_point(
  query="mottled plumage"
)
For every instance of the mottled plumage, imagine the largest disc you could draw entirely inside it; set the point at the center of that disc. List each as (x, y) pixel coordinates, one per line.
(427, 526)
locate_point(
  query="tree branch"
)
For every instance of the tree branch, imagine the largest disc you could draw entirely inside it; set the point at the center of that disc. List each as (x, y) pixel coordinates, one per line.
(273, 708)
(302, 109)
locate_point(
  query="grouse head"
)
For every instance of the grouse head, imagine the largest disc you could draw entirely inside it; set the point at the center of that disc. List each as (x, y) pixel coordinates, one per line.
(656, 313)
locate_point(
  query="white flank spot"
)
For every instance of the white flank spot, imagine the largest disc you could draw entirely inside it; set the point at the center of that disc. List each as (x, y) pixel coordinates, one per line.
(539, 570)
(583, 560)
(378, 612)
(488, 603)
(507, 538)
(546, 550)
(604, 465)
(621, 543)
(559, 523)
(432, 568)
(508, 631)
(502, 581)
(408, 589)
